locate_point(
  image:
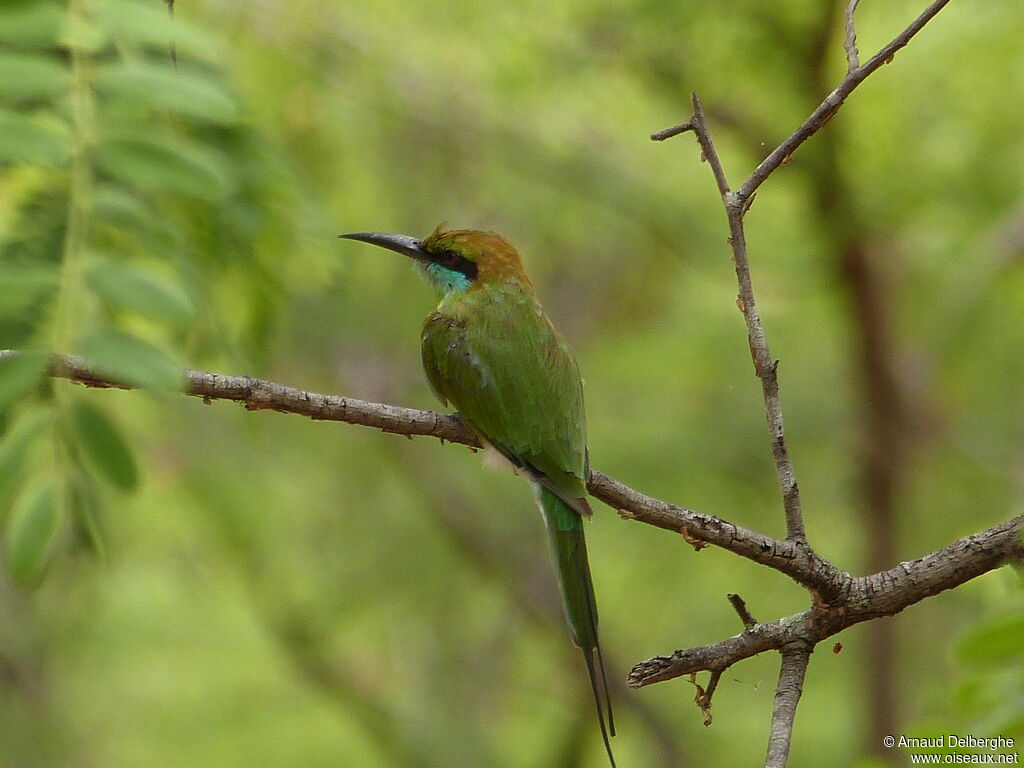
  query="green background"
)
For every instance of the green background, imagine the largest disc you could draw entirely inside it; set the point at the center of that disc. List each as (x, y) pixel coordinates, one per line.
(192, 585)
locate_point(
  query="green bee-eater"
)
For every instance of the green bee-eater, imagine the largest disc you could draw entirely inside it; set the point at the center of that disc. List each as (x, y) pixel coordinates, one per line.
(490, 351)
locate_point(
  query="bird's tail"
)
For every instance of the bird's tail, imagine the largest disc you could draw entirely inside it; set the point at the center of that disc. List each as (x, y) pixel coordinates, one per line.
(569, 550)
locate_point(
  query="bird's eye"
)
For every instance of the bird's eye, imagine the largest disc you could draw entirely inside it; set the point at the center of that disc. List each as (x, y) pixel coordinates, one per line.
(455, 261)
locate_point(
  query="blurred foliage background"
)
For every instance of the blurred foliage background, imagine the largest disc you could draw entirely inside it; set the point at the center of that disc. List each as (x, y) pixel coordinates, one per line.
(192, 584)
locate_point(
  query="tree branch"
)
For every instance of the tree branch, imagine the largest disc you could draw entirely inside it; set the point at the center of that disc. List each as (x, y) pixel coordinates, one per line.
(824, 112)
(868, 597)
(792, 558)
(258, 394)
(739, 202)
(849, 600)
(764, 366)
(850, 41)
(795, 659)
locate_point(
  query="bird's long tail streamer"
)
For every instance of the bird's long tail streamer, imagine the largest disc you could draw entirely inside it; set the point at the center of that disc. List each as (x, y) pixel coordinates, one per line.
(569, 549)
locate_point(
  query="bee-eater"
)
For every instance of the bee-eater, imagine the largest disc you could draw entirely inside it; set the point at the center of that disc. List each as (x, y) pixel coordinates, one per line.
(490, 351)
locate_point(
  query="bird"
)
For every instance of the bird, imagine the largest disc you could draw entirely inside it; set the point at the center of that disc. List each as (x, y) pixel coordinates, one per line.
(490, 351)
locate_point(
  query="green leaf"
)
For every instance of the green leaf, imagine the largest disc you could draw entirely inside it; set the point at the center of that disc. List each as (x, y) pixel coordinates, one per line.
(132, 289)
(116, 204)
(32, 140)
(33, 23)
(995, 642)
(28, 427)
(148, 23)
(121, 211)
(20, 287)
(85, 509)
(20, 373)
(103, 447)
(133, 361)
(25, 76)
(167, 164)
(34, 237)
(160, 86)
(31, 531)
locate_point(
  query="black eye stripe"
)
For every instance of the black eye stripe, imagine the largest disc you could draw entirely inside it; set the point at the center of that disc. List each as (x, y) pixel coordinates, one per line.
(453, 260)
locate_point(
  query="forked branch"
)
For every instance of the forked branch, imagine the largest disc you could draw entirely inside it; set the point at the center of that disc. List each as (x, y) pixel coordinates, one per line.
(796, 637)
(765, 367)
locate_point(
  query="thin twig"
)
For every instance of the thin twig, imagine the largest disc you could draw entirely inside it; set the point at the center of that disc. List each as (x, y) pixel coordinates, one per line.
(795, 658)
(850, 41)
(765, 367)
(704, 695)
(707, 146)
(716, 676)
(740, 606)
(736, 205)
(832, 103)
(675, 130)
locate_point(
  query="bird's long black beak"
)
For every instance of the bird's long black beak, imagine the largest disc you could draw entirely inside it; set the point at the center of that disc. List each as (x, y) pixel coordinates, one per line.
(410, 246)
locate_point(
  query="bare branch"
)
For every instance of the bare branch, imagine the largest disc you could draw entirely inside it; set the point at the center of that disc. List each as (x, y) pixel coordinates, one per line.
(258, 394)
(795, 559)
(824, 112)
(707, 146)
(867, 597)
(740, 606)
(850, 42)
(736, 205)
(675, 130)
(844, 601)
(703, 697)
(765, 367)
(795, 658)
(720, 655)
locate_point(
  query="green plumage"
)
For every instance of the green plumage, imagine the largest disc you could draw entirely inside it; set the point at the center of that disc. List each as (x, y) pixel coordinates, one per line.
(495, 356)
(491, 352)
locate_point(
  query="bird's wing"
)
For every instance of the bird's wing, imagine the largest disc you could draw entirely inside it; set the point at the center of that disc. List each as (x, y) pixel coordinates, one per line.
(514, 380)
